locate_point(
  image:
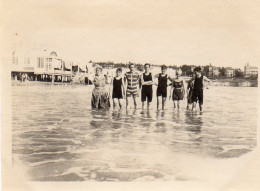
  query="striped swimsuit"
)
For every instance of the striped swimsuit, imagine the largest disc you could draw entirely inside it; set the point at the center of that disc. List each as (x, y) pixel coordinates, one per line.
(132, 82)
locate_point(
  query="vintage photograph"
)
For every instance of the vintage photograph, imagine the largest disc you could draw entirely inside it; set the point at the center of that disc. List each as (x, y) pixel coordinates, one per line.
(131, 92)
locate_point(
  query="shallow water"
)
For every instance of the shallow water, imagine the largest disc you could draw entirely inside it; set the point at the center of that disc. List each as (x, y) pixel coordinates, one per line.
(57, 136)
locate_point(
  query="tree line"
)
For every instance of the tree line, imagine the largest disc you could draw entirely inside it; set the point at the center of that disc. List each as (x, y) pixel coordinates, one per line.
(187, 70)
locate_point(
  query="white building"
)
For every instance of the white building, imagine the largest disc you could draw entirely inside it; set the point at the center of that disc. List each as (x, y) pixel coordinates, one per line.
(215, 71)
(42, 66)
(250, 70)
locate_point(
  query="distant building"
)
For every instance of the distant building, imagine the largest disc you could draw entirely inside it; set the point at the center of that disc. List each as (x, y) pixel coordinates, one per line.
(250, 70)
(229, 72)
(213, 71)
(239, 72)
(216, 72)
(42, 66)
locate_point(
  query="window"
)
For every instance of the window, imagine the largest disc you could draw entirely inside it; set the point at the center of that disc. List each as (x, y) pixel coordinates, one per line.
(27, 60)
(48, 59)
(40, 63)
(15, 60)
(48, 63)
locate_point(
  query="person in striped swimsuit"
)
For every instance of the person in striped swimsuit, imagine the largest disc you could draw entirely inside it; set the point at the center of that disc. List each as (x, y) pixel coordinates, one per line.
(132, 81)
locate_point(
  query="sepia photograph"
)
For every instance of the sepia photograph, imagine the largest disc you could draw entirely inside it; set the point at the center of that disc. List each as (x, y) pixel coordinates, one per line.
(130, 95)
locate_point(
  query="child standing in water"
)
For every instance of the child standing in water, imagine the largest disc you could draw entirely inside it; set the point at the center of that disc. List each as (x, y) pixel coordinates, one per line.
(178, 89)
(118, 88)
(197, 94)
(147, 86)
(162, 86)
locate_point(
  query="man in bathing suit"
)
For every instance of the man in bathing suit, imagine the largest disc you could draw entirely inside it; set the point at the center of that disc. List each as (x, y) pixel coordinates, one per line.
(147, 86)
(197, 94)
(132, 84)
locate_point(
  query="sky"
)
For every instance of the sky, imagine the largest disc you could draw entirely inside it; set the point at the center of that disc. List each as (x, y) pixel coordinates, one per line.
(223, 33)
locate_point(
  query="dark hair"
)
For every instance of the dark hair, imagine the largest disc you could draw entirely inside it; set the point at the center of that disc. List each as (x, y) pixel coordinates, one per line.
(131, 64)
(197, 69)
(147, 64)
(119, 70)
(163, 67)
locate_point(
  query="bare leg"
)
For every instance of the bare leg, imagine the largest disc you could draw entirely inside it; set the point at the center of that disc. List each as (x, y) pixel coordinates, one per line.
(193, 106)
(200, 105)
(158, 102)
(142, 105)
(174, 104)
(127, 102)
(134, 98)
(114, 103)
(178, 104)
(163, 102)
(120, 103)
(148, 105)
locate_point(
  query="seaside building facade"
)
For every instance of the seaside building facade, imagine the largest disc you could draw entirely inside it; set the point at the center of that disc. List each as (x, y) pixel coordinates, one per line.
(43, 66)
(250, 70)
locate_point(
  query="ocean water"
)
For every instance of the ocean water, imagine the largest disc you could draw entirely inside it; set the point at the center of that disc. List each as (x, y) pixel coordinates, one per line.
(57, 137)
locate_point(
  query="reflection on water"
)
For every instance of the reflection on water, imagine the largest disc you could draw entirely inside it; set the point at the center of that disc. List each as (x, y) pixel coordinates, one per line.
(194, 122)
(58, 137)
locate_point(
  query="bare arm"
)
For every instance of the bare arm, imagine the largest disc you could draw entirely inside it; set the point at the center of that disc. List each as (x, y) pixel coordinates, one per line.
(156, 76)
(123, 88)
(124, 79)
(125, 82)
(184, 87)
(111, 85)
(152, 82)
(140, 79)
(106, 79)
(171, 90)
(147, 82)
(206, 79)
(190, 80)
(140, 84)
(156, 82)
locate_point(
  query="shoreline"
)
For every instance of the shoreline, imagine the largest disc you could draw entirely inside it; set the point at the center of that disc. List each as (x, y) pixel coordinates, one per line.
(235, 82)
(232, 82)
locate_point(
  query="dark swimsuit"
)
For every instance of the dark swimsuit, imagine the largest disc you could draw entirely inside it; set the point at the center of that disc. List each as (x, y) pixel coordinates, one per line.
(178, 90)
(147, 90)
(162, 86)
(190, 90)
(197, 94)
(117, 89)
